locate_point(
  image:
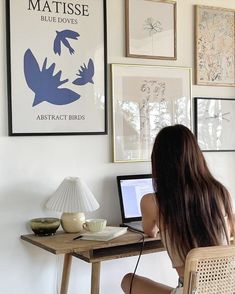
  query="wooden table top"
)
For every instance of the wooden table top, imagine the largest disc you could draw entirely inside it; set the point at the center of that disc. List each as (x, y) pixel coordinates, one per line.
(62, 243)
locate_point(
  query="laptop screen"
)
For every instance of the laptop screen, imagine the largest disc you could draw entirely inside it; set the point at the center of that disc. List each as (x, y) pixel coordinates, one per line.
(131, 189)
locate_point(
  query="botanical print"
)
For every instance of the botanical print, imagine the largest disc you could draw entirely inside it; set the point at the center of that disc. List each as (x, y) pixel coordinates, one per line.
(143, 105)
(152, 108)
(58, 71)
(215, 121)
(151, 29)
(215, 46)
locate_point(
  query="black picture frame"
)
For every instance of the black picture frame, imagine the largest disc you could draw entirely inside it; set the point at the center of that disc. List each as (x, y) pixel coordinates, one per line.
(214, 120)
(57, 68)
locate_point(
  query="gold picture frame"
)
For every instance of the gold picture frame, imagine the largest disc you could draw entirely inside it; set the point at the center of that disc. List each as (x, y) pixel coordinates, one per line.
(215, 46)
(151, 29)
(146, 98)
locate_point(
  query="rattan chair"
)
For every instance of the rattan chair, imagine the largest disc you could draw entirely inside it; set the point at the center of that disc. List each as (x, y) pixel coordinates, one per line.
(210, 270)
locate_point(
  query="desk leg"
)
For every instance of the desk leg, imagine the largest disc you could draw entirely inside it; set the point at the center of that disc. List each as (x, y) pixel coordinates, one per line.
(95, 278)
(66, 273)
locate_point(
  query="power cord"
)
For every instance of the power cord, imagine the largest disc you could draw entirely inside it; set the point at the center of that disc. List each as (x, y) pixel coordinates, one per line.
(140, 254)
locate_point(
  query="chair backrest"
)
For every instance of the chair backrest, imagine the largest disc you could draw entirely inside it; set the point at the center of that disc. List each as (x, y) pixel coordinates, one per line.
(210, 270)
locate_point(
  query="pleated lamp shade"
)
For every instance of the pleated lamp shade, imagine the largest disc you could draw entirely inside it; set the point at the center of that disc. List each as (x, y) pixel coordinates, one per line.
(73, 198)
(72, 195)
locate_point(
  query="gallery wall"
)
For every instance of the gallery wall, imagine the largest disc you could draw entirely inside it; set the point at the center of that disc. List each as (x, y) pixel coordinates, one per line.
(32, 167)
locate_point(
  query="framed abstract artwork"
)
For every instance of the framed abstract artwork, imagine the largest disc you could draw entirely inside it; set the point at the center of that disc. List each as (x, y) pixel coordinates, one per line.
(145, 99)
(56, 67)
(215, 46)
(151, 29)
(214, 123)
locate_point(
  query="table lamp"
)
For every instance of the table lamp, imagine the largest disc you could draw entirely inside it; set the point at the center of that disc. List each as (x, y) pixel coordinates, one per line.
(73, 198)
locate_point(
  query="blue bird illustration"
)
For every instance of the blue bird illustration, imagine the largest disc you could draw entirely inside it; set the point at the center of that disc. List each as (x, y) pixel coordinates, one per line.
(85, 74)
(44, 84)
(61, 37)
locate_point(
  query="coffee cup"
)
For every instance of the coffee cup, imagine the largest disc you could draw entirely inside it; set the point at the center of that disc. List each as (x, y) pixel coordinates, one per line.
(95, 225)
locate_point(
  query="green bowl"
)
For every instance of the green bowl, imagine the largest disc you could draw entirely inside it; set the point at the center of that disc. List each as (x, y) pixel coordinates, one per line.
(45, 226)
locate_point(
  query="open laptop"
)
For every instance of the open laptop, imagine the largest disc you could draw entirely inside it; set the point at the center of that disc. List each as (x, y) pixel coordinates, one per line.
(131, 188)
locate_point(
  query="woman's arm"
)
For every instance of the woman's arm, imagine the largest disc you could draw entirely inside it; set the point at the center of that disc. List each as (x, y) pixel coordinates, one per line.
(149, 212)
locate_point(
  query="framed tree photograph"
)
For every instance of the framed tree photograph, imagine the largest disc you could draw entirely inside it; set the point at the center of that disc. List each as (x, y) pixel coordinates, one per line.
(57, 67)
(151, 29)
(214, 123)
(145, 99)
(215, 46)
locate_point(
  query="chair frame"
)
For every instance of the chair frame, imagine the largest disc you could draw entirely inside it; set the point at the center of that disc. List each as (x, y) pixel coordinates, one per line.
(199, 254)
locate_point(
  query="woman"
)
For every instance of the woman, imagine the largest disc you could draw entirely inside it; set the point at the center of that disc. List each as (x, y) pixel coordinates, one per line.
(190, 207)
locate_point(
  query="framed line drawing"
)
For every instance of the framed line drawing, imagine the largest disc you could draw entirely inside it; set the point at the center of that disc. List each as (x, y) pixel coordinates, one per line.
(151, 29)
(215, 46)
(57, 67)
(214, 123)
(145, 99)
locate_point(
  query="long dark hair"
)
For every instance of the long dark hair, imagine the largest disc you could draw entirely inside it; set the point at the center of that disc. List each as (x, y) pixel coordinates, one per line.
(192, 203)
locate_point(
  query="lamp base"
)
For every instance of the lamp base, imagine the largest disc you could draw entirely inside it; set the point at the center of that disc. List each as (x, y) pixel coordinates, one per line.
(72, 222)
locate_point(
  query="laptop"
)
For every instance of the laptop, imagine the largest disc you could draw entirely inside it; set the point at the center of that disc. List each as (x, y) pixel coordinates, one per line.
(131, 188)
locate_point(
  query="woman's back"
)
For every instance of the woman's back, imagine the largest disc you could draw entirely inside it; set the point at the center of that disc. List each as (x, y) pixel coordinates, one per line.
(151, 226)
(194, 208)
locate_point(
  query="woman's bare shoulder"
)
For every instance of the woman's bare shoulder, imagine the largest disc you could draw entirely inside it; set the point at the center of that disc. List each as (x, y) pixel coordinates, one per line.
(148, 204)
(148, 199)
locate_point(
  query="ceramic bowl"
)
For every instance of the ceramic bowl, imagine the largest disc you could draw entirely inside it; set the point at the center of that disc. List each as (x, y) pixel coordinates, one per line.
(45, 226)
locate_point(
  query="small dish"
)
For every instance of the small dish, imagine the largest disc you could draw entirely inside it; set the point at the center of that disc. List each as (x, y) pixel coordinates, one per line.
(45, 226)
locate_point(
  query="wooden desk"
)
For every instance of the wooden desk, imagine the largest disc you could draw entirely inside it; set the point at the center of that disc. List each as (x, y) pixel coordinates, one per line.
(93, 252)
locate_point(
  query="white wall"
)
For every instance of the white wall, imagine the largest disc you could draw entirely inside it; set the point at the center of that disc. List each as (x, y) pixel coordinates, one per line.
(32, 167)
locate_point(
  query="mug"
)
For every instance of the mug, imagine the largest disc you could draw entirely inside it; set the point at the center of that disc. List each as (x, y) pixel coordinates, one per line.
(94, 225)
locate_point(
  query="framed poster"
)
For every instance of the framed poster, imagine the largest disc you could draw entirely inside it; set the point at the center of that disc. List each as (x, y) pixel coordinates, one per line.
(151, 29)
(215, 46)
(145, 99)
(214, 123)
(56, 67)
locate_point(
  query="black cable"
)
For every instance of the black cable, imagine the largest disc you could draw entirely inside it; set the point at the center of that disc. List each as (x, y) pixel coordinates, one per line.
(137, 263)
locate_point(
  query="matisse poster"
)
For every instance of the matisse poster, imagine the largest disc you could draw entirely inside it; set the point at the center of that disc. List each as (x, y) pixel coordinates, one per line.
(56, 67)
